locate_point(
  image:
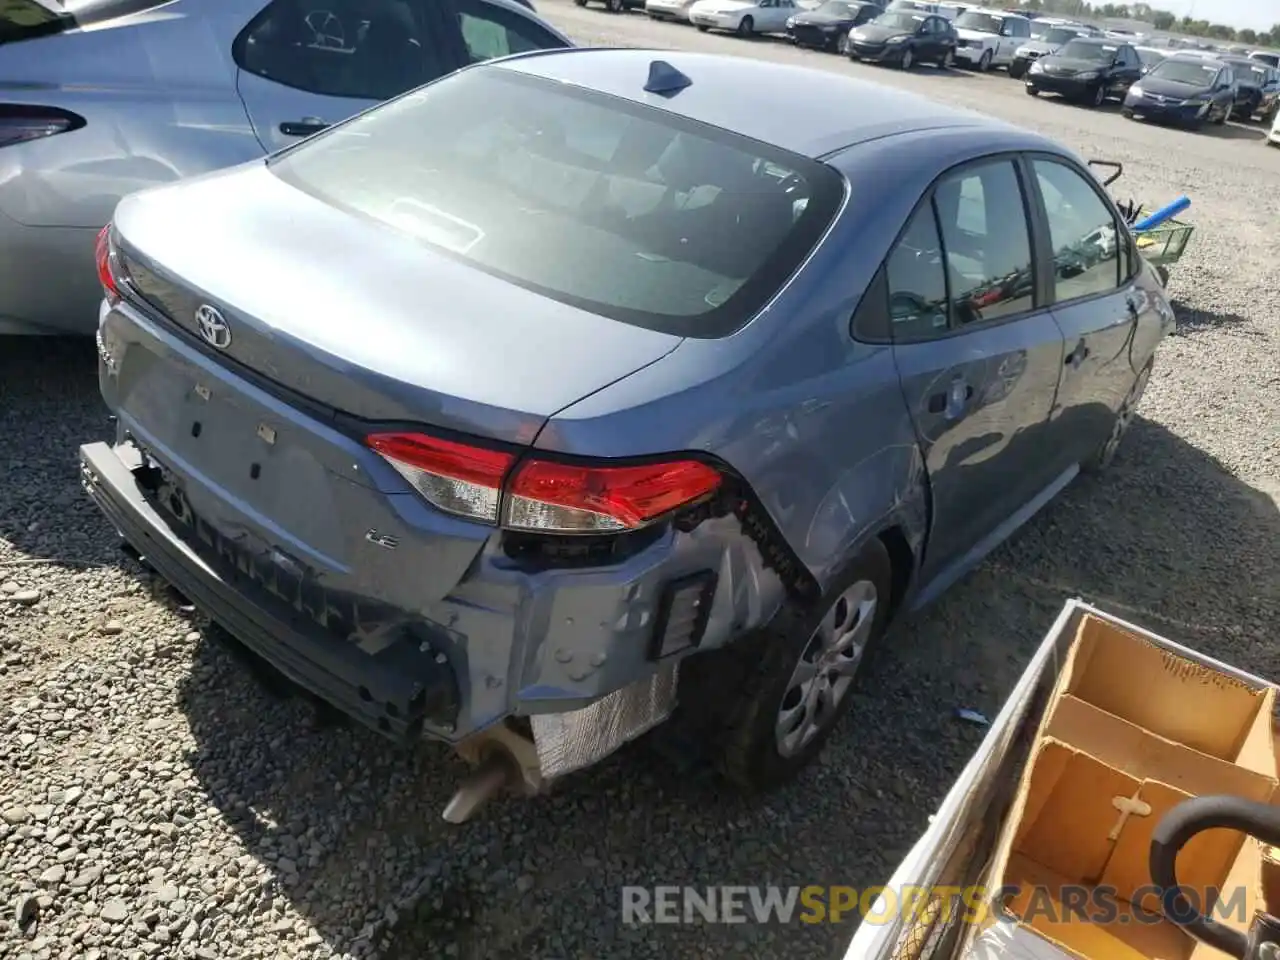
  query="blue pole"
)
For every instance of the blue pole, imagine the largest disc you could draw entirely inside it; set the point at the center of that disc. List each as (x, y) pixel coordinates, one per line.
(1163, 214)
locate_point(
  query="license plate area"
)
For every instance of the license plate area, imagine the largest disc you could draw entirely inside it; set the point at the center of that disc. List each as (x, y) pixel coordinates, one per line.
(245, 464)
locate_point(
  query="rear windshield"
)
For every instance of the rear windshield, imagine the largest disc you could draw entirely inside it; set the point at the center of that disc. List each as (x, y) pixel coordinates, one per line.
(1086, 50)
(611, 206)
(28, 19)
(980, 22)
(1059, 35)
(1196, 72)
(899, 21)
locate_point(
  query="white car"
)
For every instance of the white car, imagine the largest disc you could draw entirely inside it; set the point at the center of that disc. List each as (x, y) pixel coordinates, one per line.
(743, 17)
(669, 9)
(990, 38)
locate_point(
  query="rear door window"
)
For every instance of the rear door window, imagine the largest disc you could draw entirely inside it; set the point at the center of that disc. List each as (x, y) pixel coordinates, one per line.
(491, 31)
(613, 207)
(987, 243)
(1087, 240)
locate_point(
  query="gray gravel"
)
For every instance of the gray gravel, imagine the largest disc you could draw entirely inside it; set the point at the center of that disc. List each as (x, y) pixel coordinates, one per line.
(155, 802)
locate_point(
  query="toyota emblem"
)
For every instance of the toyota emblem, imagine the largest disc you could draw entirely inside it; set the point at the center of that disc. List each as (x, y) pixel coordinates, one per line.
(213, 327)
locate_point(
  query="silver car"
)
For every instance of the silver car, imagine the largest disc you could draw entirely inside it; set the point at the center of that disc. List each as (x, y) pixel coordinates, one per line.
(105, 97)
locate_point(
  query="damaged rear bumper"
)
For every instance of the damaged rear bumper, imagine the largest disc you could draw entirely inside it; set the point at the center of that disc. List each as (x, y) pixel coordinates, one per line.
(382, 695)
(555, 634)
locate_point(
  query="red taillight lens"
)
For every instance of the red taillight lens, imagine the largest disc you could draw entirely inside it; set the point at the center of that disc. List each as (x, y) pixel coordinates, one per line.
(454, 477)
(561, 498)
(106, 269)
(542, 496)
(20, 122)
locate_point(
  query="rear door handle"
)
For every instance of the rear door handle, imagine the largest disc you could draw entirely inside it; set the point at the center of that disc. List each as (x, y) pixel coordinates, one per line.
(1077, 356)
(302, 128)
(954, 402)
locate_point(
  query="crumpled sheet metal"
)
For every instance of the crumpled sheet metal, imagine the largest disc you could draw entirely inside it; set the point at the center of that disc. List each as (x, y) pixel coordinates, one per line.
(571, 741)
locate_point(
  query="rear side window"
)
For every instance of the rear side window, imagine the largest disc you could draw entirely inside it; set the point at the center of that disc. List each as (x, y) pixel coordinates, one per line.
(917, 281)
(1085, 236)
(600, 203)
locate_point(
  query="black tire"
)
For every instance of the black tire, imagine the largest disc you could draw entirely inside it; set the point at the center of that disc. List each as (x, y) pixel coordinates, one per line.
(1126, 113)
(908, 59)
(948, 61)
(1032, 91)
(615, 6)
(755, 677)
(1226, 115)
(1103, 457)
(580, 3)
(746, 28)
(842, 45)
(1017, 71)
(1098, 96)
(984, 62)
(703, 29)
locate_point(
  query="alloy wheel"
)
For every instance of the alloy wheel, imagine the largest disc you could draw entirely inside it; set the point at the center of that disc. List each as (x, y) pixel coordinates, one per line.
(826, 669)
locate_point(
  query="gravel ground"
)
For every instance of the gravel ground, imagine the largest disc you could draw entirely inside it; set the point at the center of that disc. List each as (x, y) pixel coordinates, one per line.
(155, 801)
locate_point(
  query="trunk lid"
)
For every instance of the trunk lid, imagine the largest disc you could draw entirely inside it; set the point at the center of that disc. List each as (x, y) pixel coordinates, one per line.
(361, 319)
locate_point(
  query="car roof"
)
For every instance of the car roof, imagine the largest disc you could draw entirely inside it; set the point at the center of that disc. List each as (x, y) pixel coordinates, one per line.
(810, 112)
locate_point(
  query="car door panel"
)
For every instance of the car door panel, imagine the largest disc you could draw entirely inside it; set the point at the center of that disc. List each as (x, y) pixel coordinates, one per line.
(302, 69)
(1106, 316)
(979, 381)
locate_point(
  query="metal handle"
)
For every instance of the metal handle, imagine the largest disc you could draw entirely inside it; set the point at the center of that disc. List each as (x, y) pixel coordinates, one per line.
(302, 128)
(1175, 830)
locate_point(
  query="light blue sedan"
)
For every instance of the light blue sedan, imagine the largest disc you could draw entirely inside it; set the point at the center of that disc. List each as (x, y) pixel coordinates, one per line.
(575, 386)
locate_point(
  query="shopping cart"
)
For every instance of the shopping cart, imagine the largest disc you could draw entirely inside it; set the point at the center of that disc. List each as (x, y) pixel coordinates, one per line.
(1159, 236)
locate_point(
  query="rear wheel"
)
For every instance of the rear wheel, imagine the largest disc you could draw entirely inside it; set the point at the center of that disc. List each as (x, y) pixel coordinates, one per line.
(795, 678)
(908, 59)
(746, 27)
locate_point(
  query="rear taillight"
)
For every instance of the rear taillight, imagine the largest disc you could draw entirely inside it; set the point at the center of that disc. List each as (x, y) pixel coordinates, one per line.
(542, 495)
(106, 264)
(20, 122)
(562, 498)
(454, 477)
